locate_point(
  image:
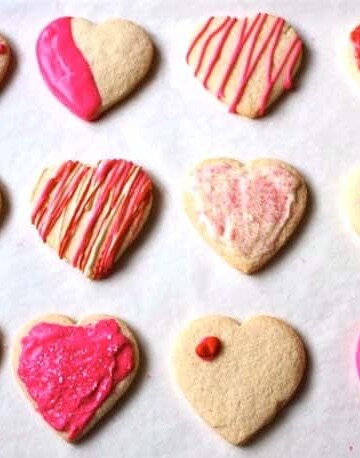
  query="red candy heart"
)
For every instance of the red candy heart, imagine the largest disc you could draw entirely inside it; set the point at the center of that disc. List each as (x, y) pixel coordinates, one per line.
(208, 348)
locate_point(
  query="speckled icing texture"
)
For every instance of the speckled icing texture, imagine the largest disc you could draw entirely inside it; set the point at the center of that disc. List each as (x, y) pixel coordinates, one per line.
(244, 208)
(69, 371)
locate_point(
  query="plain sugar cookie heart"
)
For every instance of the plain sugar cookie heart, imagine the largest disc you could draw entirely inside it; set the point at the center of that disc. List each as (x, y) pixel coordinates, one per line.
(246, 63)
(351, 197)
(74, 373)
(246, 212)
(90, 215)
(254, 371)
(90, 67)
(5, 56)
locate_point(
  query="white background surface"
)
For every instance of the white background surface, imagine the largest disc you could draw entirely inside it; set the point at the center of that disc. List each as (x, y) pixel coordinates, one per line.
(171, 275)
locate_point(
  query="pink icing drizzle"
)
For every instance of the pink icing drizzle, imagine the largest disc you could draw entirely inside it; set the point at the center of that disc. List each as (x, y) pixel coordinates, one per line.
(357, 357)
(218, 50)
(66, 71)
(249, 33)
(245, 208)
(125, 186)
(69, 371)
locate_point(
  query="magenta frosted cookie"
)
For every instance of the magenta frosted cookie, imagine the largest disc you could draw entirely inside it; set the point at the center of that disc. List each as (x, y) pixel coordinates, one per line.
(90, 67)
(74, 373)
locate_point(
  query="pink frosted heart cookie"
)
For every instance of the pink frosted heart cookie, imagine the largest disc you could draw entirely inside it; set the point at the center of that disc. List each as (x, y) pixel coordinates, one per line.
(74, 373)
(246, 212)
(90, 67)
(246, 63)
(5, 56)
(90, 215)
(237, 376)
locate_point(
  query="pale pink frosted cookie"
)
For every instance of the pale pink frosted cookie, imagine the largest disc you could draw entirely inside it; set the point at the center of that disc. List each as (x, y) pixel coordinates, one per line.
(237, 376)
(90, 215)
(90, 67)
(246, 212)
(74, 373)
(246, 63)
(5, 56)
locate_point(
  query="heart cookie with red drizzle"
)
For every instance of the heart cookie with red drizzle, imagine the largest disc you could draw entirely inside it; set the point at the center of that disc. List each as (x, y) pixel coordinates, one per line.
(243, 385)
(353, 53)
(5, 57)
(73, 374)
(246, 63)
(90, 215)
(90, 67)
(246, 212)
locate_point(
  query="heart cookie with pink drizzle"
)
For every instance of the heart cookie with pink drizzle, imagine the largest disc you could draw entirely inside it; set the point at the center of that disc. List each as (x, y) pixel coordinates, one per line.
(90, 67)
(90, 215)
(246, 63)
(5, 56)
(74, 373)
(246, 212)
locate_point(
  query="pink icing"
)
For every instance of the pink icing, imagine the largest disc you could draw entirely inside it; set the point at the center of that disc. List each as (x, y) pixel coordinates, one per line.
(245, 208)
(69, 371)
(250, 33)
(66, 71)
(357, 357)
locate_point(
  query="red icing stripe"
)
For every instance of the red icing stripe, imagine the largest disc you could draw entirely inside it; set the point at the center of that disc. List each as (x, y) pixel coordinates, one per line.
(115, 193)
(198, 37)
(207, 42)
(218, 50)
(66, 71)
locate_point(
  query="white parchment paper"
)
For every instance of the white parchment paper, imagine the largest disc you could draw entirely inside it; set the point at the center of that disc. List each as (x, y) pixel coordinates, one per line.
(171, 276)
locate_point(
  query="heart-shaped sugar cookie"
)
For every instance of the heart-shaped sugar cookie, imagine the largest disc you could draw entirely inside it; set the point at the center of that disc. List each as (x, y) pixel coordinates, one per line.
(352, 53)
(239, 385)
(73, 374)
(351, 197)
(246, 212)
(4, 57)
(246, 63)
(90, 67)
(90, 215)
